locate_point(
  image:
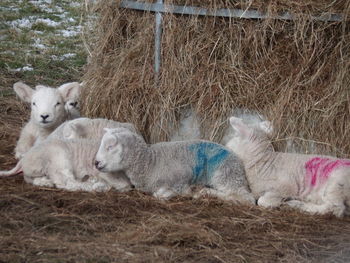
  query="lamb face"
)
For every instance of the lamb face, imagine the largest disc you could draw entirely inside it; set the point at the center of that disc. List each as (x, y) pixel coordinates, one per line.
(73, 109)
(47, 107)
(47, 104)
(113, 148)
(47, 112)
(72, 106)
(244, 134)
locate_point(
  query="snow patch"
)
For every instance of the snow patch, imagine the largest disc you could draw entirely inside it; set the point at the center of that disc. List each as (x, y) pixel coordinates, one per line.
(21, 23)
(74, 4)
(71, 31)
(32, 20)
(25, 68)
(38, 44)
(63, 57)
(43, 5)
(48, 22)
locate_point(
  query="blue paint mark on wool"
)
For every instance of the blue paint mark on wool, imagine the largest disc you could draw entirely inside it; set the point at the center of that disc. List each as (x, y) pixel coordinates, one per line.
(208, 157)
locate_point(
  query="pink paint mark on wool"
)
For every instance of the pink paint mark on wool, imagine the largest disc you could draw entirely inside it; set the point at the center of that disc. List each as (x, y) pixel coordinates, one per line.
(319, 169)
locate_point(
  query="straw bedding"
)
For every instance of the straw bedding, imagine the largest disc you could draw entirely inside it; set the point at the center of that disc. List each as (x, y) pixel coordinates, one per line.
(294, 73)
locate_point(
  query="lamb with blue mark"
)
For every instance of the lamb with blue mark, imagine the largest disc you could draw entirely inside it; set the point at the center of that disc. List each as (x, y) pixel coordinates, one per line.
(208, 157)
(168, 169)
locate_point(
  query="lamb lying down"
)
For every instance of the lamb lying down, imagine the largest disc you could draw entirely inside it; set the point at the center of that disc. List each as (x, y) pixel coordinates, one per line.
(60, 162)
(48, 111)
(81, 128)
(86, 128)
(169, 169)
(319, 184)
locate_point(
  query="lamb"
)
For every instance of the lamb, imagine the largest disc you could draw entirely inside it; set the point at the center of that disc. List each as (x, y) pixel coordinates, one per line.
(189, 127)
(171, 168)
(315, 184)
(81, 128)
(59, 163)
(86, 128)
(47, 112)
(250, 118)
(72, 106)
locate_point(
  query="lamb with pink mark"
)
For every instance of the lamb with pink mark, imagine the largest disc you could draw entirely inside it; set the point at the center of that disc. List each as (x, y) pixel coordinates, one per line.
(311, 183)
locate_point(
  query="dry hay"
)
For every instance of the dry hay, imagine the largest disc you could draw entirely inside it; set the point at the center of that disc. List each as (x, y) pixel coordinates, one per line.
(48, 225)
(294, 72)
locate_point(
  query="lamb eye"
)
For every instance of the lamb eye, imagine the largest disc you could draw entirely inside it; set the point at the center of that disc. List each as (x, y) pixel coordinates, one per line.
(109, 147)
(58, 103)
(34, 104)
(74, 104)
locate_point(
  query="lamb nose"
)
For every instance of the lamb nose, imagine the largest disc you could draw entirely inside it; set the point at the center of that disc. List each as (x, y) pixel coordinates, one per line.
(97, 163)
(44, 116)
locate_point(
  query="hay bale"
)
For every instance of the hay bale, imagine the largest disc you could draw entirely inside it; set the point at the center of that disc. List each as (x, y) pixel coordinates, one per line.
(296, 73)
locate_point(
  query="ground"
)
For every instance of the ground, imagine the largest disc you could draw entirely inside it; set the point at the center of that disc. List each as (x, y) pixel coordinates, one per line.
(50, 225)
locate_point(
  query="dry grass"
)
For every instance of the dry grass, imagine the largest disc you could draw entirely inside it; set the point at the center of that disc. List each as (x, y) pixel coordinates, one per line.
(295, 73)
(47, 225)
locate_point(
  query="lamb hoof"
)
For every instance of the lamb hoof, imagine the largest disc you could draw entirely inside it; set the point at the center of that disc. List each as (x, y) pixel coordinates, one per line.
(201, 193)
(294, 203)
(163, 194)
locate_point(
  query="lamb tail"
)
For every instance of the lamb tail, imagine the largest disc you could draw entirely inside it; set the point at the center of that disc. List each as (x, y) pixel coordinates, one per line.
(14, 171)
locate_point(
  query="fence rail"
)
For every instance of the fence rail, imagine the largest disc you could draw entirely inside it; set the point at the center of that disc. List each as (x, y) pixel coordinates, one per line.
(234, 13)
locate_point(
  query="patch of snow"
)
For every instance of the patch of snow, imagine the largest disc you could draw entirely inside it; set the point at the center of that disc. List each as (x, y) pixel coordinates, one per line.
(30, 21)
(69, 55)
(71, 31)
(21, 23)
(3, 37)
(74, 4)
(63, 57)
(71, 20)
(8, 52)
(38, 44)
(43, 5)
(48, 22)
(25, 68)
(9, 8)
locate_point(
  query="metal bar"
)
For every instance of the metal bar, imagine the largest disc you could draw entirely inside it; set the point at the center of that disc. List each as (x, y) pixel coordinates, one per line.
(237, 13)
(158, 40)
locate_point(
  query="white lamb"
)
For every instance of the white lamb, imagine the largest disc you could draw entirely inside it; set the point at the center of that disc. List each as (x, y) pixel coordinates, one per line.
(47, 112)
(81, 128)
(57, 162)
(319, 184)
(72, 106)
(169, 169)
(86, 128)
(250, 118)
(189, 127)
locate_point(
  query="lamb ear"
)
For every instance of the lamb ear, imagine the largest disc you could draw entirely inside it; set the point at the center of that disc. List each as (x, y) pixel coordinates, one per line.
(23, 91)
(78, 129)
(70, 91)
(238, 125)
(266, 126)
(109, 130)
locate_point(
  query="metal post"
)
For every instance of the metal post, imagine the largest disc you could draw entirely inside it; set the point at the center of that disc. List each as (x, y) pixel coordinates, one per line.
(158, 42)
